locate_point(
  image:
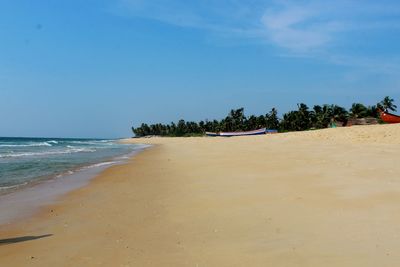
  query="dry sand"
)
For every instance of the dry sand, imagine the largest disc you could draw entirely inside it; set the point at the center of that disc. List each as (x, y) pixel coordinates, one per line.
(320, 198)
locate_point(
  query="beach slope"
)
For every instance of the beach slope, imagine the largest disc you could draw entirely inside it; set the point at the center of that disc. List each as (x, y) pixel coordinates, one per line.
(319, 198)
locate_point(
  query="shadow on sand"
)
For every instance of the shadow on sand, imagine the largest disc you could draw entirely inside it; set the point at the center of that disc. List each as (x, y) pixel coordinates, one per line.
(21, 239)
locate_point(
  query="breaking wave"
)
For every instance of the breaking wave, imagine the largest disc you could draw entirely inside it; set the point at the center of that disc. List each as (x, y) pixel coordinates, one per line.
(45, 153)
(28, 145)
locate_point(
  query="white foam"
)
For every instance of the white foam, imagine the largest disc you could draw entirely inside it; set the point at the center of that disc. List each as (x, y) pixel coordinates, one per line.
(26, 145)
(12, 186)
(100, 164)
(92, 142)
(29, 154)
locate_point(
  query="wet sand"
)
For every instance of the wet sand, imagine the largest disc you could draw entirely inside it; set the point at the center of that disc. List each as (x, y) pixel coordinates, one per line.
(318, 198)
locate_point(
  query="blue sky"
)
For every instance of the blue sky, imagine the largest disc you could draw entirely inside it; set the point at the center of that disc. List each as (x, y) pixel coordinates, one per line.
(93, 68)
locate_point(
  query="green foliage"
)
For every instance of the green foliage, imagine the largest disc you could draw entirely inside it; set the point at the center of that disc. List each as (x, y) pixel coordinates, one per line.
(358, 110)
(372, 111)
(235, 121)
(298, 120)
(271, 119)
(387, 104)
(321, 116)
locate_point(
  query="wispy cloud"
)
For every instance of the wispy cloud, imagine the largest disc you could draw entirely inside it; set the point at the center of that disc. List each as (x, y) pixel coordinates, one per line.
(314, 26)
(324, 30)
(293, 27)
(343, 33)
(220, 16)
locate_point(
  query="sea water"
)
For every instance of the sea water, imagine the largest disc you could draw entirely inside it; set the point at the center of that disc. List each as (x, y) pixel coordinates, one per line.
(28, 161)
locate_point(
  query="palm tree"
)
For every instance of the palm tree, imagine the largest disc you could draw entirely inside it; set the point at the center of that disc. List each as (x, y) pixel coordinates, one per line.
(261, 121)
(372, 111)
(339, 113)
(251, 123)
(304, 117)
(271, 119)
(321, 116)
(236, 118)
(298, 120)
(181, 128)
(288, 122)
(358, 110)
(387, 104)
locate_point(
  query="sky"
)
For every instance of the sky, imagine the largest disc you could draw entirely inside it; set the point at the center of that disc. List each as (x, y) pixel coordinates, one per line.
(94, 68)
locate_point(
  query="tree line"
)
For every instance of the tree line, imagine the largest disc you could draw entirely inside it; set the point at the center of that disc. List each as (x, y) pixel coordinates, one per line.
(304, 118)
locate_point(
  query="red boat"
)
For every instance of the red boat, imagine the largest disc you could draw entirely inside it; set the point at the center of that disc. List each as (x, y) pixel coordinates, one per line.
(388, 117)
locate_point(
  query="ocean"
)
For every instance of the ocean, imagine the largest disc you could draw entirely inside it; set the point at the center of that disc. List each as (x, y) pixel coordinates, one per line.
(28, 161)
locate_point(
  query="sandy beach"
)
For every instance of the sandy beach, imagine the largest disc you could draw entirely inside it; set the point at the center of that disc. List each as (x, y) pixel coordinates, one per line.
(318, 198)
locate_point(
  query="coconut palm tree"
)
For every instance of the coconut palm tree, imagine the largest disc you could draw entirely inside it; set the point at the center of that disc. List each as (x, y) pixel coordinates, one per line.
(271, 119)
(372, 111)
(298, 120)
(358, 110)
(321, 116)
(236, 119)
(387, 104)
(339, 113)
(304, 117)
(251, 123)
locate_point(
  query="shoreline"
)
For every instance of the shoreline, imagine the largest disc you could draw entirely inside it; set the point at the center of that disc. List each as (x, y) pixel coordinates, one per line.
(318, 198)
(26, 200)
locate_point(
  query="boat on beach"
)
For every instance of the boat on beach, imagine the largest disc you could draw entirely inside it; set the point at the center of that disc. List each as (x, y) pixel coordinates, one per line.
(242, 133)
(388, 117)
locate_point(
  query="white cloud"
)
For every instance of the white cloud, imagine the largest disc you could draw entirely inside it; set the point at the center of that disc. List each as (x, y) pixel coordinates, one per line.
(317, 26)
(299, 26)
(225, 16)
(321, 30)
(290, 27)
